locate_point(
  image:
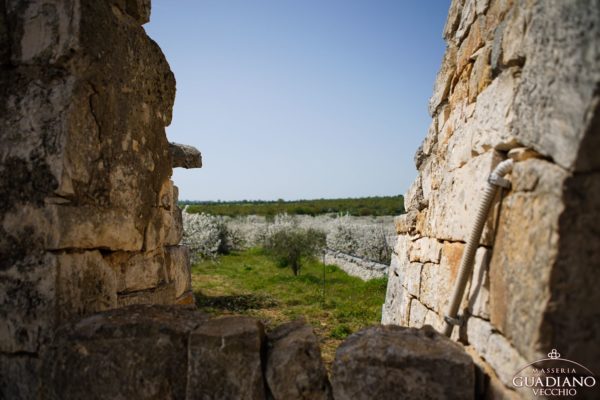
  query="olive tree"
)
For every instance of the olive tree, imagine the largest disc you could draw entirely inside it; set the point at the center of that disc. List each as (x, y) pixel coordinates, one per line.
(292, 245)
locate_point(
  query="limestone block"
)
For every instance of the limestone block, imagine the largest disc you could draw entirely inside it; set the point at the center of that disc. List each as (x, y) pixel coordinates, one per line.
(88, 227)
(412, 279)
(556, 104)
(85, 284)
(452, 207)
(27, 304)
(441, 87)
(491, 125)
(434, 320)
(175, 227)
(481, 75)
(424, 250)
(397, 304)
(294, 368)
(46, 30)
(418, 313)
(436, 286)
(392, 362)
(32, 148)
(139, 9)
(163, 294)
(160, 227)
(130, 353)
(495, 17)
(390, 311)
(225, 360)
(406, 223)
(514, 35)
(459, 92)
(65, 227)
(472, 43)
(184, 156)
(495, 349)
(521, 264)
(138, 271)
(437, 281)
(467, 17)
(178, 266)
(453, 19)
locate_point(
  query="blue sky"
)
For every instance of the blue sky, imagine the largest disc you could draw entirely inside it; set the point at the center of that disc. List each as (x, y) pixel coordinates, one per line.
(300, 99)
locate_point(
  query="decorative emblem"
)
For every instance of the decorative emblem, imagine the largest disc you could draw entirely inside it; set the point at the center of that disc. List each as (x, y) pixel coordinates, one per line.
(554, 354)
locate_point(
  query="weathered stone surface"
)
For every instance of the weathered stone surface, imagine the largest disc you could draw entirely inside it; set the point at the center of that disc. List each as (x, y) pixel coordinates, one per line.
(137, 352)
(85, 284)
(412, 279)
(418, 314)
(138, 9)
(138, 271)
(424, 250)
(391, 362)
(294, 368)
(491, 126)
(184, 156)
(520, 273)
(495, 349)
(27, 304)
(178, 266)
(225, 360)
(45, 31)
(406, 223)
(555, 104)
(467, 17)
(453, 206)
(441, 87)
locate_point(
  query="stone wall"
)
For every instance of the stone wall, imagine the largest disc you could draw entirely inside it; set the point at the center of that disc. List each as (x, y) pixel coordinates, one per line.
(515, 74)
(356, 266)
(88, 213)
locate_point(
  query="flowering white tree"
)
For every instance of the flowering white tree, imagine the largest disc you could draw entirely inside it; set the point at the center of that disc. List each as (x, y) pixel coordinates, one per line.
(201, 234)
(365, 237)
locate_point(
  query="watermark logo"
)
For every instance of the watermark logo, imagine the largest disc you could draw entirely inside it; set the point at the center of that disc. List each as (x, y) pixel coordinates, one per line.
(555, 377)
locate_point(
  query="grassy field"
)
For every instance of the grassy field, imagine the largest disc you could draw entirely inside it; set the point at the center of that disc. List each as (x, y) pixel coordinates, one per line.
(382, 205)
(250, 283)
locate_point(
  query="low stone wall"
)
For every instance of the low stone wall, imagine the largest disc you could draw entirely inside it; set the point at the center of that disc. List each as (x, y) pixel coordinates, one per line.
(175, 352)
(355, 266)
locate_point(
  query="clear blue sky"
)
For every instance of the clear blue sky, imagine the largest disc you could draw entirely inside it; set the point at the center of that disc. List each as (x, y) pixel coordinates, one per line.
(300, 99)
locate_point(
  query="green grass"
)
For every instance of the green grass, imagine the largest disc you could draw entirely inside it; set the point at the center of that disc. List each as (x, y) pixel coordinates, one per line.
(380, 205)
(250, 283)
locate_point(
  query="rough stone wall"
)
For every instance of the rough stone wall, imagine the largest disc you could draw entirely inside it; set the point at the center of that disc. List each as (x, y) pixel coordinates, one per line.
(515, 74)
(88, 214)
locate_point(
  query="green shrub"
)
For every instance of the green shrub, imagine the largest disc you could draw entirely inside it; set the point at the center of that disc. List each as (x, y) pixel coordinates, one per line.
(291, 245)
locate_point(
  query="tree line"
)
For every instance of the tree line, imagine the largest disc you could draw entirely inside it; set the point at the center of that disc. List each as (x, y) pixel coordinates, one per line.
(363, 206)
